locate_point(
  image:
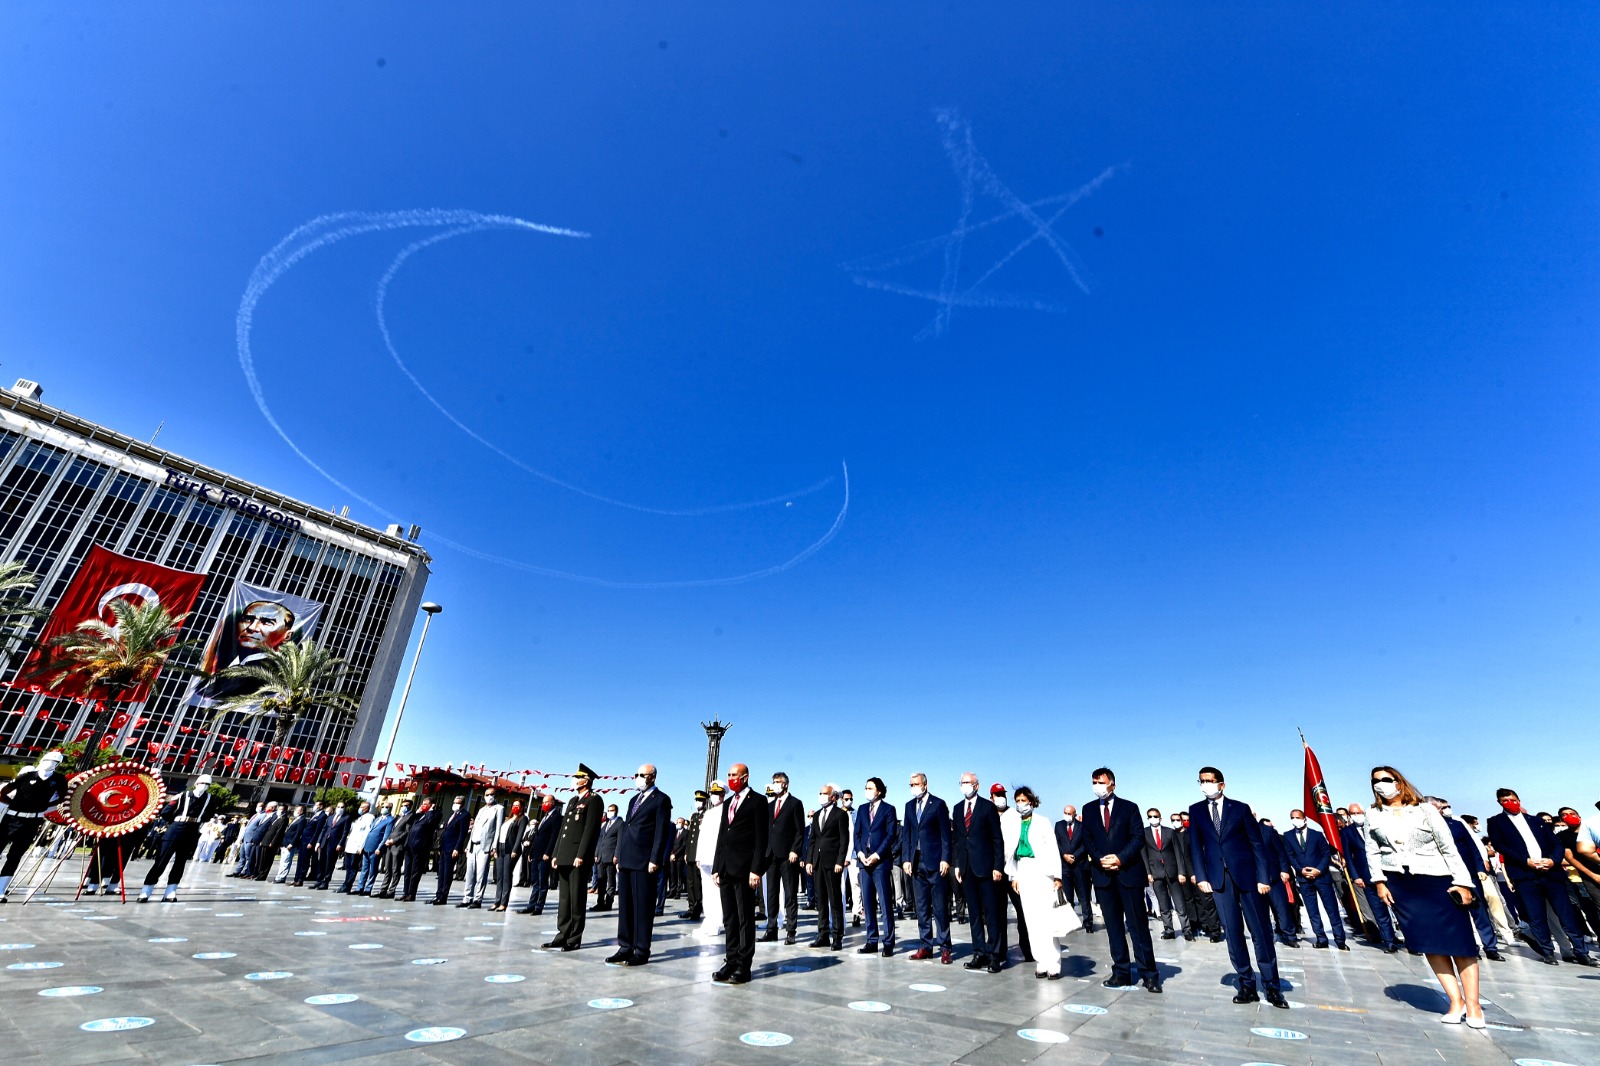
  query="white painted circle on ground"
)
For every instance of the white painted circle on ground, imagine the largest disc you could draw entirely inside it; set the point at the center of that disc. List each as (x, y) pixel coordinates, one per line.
(1043, 1036)
(215, 955)
(1295, 1004)
(269, 902)
(504, 978)
(428, 962)
(1540, 1062)
(332, 999)
(324, 912)
(393, 910)
(549, 931)
(365, 947)
(361, 906)
(421, 928)
(1291, 969)
(15, 947)
(33, 966)
(229, 914)
(169, 939)
(1082, 1008)
(477, 938)
(766, 1039)
(115, 1025)
(921, 987)
(311, 932)
(301, 907)
(1505, 1028)
(198, 908)
(1278, 1034)
(70, 990)
(870, 1006)
(100, 917)
(268, 975)
(610, 1004)
(1169, 962)
(435, 1034)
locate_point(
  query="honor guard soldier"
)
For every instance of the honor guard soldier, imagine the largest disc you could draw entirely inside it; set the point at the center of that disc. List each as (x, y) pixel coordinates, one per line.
(30, 794)
(574, 857)
(181, 836)
(692, 886)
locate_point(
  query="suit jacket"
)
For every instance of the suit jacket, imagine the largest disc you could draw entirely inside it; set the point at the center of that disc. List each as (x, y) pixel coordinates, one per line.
(1070, 841)
(929, 834)
(580, 830)
(1355, 852)
(454, 835)
(486, 826)
(400, 831)
(743, 842)
(830, 838)
(1509, 843)
(1163, 863)
(419, 834)
(1241, 850)
(312, 835)
(876, 835)
(256, 826)
(511, 831)
(295, 831)
(378, 832)
(610, 833)
(1125, 840)
(1185, 851)
(1315, 851)
(273, 837)
(542, 840)
(1276, 850)
(335, 831)
(647, 832)
(1468, 848)
(788, 830)
(977, 850)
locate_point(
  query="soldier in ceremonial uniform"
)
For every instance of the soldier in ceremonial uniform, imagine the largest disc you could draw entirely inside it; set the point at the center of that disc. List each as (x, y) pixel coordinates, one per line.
(29, 795)
(692, 886)
(574, 856)
(181, 836)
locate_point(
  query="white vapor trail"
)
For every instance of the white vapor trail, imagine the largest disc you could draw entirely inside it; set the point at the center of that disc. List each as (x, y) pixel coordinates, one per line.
(329, 229)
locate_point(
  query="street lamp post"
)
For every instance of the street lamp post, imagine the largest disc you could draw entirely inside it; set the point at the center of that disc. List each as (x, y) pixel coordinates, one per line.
(431, 609)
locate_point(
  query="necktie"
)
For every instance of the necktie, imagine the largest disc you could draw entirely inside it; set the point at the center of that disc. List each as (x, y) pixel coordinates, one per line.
(1216, 815)
(969, 814)
(733, 805)
(1105, 809)
(1158, 838)
(776, 807)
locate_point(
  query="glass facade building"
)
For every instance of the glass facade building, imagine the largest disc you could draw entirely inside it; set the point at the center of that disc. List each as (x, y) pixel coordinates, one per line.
(67, 483)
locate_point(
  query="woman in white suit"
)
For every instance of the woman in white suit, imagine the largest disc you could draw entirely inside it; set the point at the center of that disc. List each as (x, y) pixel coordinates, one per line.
(1035, 873)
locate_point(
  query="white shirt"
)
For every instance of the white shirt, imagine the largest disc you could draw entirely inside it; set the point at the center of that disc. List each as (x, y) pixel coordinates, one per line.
(358, 833)
(1528, 839)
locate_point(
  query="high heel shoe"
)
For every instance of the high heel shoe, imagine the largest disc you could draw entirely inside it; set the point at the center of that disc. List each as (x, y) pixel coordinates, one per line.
(1477, 1023)
(1454, 1017)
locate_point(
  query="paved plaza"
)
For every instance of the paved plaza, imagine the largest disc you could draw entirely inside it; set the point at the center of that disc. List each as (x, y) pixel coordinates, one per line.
(244, 972)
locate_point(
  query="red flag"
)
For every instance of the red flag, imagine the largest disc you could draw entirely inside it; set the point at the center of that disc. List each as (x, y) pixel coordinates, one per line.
(102, 577)
(1318, 807)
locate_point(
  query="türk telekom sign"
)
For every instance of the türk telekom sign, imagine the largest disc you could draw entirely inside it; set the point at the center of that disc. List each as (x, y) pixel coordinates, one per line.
(239, 503)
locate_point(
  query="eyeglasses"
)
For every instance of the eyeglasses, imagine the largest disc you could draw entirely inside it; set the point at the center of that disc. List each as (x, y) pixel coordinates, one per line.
(1383, 780)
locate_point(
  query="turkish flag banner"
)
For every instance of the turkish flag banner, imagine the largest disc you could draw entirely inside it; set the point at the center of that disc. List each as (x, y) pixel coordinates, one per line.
(1319, 808)
(102, 577)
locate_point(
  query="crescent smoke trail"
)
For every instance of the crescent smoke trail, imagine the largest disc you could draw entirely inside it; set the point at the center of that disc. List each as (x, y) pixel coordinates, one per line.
(329, 229)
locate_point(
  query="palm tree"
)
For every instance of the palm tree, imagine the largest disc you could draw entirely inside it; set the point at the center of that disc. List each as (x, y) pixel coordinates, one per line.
(295, 680)
(112, 660)
(14, 581)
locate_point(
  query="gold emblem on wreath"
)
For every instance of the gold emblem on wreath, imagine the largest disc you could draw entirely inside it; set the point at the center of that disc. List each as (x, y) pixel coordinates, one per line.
(115, 799)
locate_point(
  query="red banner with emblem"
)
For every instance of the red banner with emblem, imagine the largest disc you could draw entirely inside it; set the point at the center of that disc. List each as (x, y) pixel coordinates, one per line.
(105, 576)
(1318, 806)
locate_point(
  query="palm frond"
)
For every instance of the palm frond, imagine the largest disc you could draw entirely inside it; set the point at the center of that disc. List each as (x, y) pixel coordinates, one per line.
(296, 680)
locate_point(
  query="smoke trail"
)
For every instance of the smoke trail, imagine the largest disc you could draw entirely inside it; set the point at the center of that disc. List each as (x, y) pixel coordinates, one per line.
(329, 229)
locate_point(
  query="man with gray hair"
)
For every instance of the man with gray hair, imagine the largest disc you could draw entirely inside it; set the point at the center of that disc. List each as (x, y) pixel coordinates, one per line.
(830, 849)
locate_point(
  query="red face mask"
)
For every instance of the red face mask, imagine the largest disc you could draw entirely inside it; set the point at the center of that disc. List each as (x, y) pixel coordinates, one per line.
(516, 808)
(1512, 806)
(1572, 819)
(735, 783)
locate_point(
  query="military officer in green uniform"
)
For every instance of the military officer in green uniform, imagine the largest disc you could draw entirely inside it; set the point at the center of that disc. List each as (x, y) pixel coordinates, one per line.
(691, 878)
(574, 859)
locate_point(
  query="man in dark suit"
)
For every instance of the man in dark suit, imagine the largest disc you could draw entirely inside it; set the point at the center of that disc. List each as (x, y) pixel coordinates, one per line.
(1233, 866)
(1200, 907)
(1116, 849)
(1164, 867)
(271, 842)
(292, 834)
(308, 845)
(642, 849)
(1533, 857)
(1354, 837)
(1470, 855)
(392, 853)
(785, 849)
(330, 844)
(741, 855)
(829, 849)
(540, 846)
(977, 855)
(1282, 909)
(925, 857)
(1075, 874)
(418, 841)
(574, 858)
(876, 837)
(1310, 856)
(452, 838)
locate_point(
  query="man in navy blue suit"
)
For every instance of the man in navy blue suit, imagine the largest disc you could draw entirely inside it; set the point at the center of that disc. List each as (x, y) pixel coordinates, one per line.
(1114, 837)
(978, 859)
(1354, 836)
(1234, 866)
(642, 846)
(1282, 909)
(1075, 874)
(925, 857)
(1533, 862)
(1310, 856)
(1470, 855)
(876, 831)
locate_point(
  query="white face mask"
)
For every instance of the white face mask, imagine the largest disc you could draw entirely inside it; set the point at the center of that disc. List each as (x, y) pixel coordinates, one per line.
(824, 801)
(1359, 819)
(917, 791)
(1069, 818)
(968, 790)
(1298, 823)
(716, 800)
(1154, 822)
(1100, 791)
(778, 788)
(1000, 801)
(1024, 808)
(47, 766)
(641, 782)
(872, 797)
(197, 791)
(1175, 826)
(699, 805)
(847, 803)
(1447, 812)
(1210, 789)
(1386, 789)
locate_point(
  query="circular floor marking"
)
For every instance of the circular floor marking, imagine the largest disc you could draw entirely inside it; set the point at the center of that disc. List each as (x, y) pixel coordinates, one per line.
(491, 923)
(115, 1025)
(1278, 1034)
(428, 962)
(15, 947)
(766, 1039)
(332, 999)
(1540, 1062)
(1505, 1028)
(1082, 1008)
(1043, 1036)
(169, 939)
(100, 917)
(923, 987)
(365, 947)
(1295, 1004)
(215, 954)
(504, 978)
(311, 932)
(610, 1004)
(301, 907)
(268, 975)
(421, 928)
(34, 966)
(870, 1006)
(435, 1034)
(62, 991)
(477, 938)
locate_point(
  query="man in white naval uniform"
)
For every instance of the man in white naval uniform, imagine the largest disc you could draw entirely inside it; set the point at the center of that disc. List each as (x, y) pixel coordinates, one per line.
(705, 851)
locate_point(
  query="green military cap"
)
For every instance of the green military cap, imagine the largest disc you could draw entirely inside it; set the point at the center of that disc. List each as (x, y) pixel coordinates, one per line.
(584, 771)
(700, 795)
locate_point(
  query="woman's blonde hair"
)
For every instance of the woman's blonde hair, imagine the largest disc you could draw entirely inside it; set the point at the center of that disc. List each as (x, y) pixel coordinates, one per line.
(1408, 793)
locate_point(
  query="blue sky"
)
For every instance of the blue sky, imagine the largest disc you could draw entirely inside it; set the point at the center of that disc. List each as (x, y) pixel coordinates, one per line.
(1313, 443)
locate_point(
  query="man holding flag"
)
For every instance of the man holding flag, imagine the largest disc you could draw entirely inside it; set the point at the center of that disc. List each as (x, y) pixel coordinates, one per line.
(1312, 859)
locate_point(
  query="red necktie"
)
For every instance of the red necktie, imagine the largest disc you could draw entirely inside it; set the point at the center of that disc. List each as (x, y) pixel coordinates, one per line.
(969, 814)
(1105, 809)
(1158, 838)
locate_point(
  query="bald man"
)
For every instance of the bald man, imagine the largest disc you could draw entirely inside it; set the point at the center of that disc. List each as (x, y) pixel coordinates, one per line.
(642, 849)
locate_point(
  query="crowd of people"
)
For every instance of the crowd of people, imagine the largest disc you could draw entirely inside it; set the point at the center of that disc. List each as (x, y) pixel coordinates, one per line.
(1406, 873)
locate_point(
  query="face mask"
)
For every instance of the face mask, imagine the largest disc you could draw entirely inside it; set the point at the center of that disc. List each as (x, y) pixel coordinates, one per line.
(1298, 823)
(580, 783)
(1155, 822)
(1024, 808)
(699, 805)
(1100, 791)
(917, 791)
(1359, 819)
(1176, 825)
(735, 783)
(968, 790)
(1000, 801)
(455, 808)
(1386, 789)
(516, 808)
(1069, 818)
(47, 766)
(406, 809)
(716, 800)
(641, 782)
(1447, 812)
(847, 802)
(778, 788)
(1209, 789)
(1571, 819)
(824, 801)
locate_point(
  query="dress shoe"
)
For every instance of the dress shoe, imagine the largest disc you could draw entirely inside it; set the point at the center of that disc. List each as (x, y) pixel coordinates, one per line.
(1188, 936)
(977, 962)
(661, 912)
(867, 949)
(820, 942)
(463, 905)
(1586, 960)
(1039, 975)
(770, 936)
(920, 954)
(789, 940)
(1117, 981)
(1549, 960)
(1151, 984)
(1277, 1000)
(838, 944)
(1054, 976)
(945, 957)
(618, 956)
(1455, 1017)
(1088, 927)
(635, 960)
(722, 974)
(739, 977)
(1391, 948)
(888, 950)
(1322, 944)
(855, 922)
(1246, 995)
(1341, 945)
(570, 947)
(1169, 936)
(553, 944)
(1215, 938)
(996, 965)
(475, 905)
